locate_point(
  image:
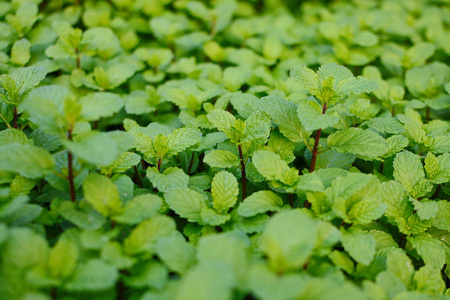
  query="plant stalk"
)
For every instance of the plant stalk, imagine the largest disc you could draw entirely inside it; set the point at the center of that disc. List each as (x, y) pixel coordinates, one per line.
(159, 164)
(244, 176)
(70, 176)
(191, 163)
(316, 144)
(15, 117)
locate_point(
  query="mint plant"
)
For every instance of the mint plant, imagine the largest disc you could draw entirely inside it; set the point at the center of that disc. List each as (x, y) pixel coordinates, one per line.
(224, 150)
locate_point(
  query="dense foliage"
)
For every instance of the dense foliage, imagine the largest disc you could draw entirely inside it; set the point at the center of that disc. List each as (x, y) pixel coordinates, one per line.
(199, 150)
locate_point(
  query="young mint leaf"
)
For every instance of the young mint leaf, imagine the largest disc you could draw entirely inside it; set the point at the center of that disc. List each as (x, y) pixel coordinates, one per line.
(359, 244)
(102, 194)
(221, 159)
(186, 203)
(100, 105)
(260, 202)
(408, 170)
(283, 113)
(270, 165)
(428, 280)
(28, 161)
(430, 249)
(310, 115)
(63, 258)
(144, 238)
(224, 190)
(97, 148)
(285, 246)
(213, 280)
(169, 179)
(138, 209)
(93, 275)
(181, 139)
(442, 218)
(20, 52)
(358, 141)
(176, 253)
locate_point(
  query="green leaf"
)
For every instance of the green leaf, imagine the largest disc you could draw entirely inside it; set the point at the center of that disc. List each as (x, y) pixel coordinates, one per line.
(224, 190)
(171, 178)
(13, 136)
(20, 52)
(100, 105)
(284, 113)
(149, 274)
(181, 139)
(214, 280)
(119, 73)
(28, 78)
(212, 218)
(260, 202)
(396, 200)
(27, 160)
(413, 128)
(359, 244)
(112, 253)
(428, 280)
(97, 148)
(100, 41)
(356, 198)
(438, 168)
(222, 120)
(286, 246)
(307, 78)
(399, 264)
(221, 159)
(144, 238)
(102, 194)
(186, 203)
(92, 275)
(270, 165)
(63, 258)
(430, 249)
(310, 115)
(46, 108)
(88, 218)
(138, 209)
(358, 141)
(176, 253)
(122, 163)
(442, 218)
(408, 170)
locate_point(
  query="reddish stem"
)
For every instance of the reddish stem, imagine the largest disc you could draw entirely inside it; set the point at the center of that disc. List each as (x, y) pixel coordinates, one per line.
(316, 144)
(159, 164)
(244, 176)
(70, 177)
(15, 117)
(137, 177)
(427, 113)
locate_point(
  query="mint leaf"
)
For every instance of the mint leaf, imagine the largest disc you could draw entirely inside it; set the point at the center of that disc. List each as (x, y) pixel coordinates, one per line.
(221, 159)
(186, 203)
(102, 194)
(224, 190)
(27, 160)
(408, 170)
(260, 202)
(283, 113)
(357, 141)
(359, 244)
(285, 246)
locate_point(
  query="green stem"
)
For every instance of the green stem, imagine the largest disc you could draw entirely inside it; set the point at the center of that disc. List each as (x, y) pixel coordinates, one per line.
(244, 176)
(137, 177)
(70, 176)
(6, 122)
(427, 113)
(191, 163)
